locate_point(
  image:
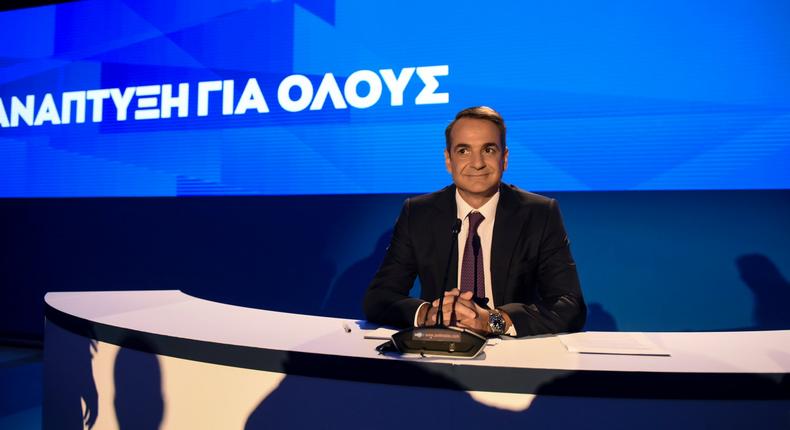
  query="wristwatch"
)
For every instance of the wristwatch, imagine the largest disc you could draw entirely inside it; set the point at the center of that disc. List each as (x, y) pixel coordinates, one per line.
(496, 321)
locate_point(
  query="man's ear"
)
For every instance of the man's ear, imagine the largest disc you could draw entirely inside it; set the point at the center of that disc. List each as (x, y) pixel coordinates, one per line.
(504, 159)
(447, 164)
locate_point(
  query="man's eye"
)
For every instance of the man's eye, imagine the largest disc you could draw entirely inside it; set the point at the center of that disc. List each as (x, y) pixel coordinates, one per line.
(462, 150)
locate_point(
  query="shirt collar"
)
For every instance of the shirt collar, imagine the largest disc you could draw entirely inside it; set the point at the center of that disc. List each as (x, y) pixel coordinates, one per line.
(488, 209)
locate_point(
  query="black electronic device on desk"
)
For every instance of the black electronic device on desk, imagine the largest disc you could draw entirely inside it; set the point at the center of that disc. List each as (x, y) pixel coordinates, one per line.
(442, 341)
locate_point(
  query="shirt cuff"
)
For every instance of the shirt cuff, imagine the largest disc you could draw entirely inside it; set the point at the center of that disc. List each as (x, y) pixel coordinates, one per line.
(511, 331)
(416, 314)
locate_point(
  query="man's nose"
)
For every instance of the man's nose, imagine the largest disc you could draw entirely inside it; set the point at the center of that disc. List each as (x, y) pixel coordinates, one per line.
(477, 160)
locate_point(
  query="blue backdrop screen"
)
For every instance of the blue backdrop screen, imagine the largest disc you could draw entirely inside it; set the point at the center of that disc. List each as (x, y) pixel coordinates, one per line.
(151, 98)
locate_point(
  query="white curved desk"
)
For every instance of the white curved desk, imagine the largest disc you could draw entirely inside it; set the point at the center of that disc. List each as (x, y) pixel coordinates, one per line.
(224, 366)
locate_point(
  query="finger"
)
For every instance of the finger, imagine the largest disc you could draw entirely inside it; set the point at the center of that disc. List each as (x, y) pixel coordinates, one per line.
(434, 315)
(430, 318)
(467, 295)
(467, 303)
(448, 304)
(464, 313)
(447, 294)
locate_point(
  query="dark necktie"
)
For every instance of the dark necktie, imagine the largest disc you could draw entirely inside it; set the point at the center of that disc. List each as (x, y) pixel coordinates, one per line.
(470, 270)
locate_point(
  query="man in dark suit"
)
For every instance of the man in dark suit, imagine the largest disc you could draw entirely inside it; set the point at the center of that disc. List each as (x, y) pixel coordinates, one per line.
(514, 271)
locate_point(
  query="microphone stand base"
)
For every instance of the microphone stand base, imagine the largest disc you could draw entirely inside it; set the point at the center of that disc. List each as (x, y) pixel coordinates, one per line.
(439, 341)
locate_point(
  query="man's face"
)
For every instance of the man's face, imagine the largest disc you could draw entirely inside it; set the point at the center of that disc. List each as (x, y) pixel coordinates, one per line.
(476, 159)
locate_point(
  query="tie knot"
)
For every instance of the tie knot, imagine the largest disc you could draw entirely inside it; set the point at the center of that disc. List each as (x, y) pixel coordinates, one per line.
(475, 218)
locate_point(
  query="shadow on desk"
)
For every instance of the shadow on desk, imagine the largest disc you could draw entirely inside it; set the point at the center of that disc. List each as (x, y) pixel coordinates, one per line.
(71, 400)
(68, 380)
(415, 396)
(303, 402)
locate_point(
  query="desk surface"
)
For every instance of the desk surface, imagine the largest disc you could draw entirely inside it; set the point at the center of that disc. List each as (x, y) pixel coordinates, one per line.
(702, 364)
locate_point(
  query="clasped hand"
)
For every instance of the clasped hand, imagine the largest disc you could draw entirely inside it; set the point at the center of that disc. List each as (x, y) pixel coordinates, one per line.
(459, 310)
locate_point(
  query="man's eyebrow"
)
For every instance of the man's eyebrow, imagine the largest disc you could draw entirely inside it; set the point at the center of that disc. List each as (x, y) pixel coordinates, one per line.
(461, 144)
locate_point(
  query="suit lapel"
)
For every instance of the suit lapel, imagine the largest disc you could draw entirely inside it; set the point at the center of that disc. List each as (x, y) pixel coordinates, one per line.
(441, 231)
(506, 232)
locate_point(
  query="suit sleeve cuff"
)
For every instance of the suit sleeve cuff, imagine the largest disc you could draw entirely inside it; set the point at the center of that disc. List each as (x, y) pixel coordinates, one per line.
(416, 314)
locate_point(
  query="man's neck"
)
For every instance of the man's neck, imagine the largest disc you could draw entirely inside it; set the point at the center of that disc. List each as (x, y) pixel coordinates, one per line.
(477, 200)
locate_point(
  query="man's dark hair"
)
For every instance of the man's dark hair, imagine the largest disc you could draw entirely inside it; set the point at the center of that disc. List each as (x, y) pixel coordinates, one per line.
(478, 112)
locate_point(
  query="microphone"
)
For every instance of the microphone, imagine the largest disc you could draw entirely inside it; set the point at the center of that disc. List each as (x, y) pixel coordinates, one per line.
(440, 339)
(453, 247)
(456, 228)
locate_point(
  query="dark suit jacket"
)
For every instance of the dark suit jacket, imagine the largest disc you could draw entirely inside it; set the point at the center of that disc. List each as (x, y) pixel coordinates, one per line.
(533, 275)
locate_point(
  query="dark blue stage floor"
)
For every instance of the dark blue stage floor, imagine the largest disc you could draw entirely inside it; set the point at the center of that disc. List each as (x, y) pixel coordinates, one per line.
(20, 388)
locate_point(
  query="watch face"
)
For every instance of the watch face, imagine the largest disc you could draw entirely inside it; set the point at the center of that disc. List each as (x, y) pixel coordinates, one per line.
(496, 322)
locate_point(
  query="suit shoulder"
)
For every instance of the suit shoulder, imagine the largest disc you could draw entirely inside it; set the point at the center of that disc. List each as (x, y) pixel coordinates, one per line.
(526, 198)
(436, 198)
